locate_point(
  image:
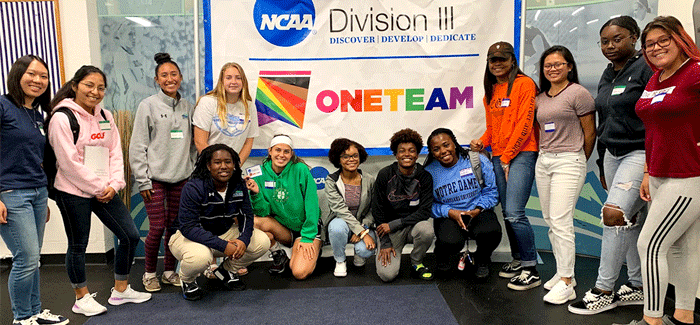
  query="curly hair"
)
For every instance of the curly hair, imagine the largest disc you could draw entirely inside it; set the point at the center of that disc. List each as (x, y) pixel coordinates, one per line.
(406, 136)
(338, 146)
(201, 170)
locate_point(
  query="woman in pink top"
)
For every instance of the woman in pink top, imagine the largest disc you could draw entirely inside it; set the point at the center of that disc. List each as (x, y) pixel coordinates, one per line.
(90, 172)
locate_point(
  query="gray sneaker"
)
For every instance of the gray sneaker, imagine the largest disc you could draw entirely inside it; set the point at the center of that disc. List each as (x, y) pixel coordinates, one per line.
(151, 284)
(173, 279)
(629, 295)
(358, 261)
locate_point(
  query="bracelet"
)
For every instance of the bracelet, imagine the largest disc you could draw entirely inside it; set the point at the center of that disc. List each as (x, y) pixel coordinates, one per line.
(364, 233)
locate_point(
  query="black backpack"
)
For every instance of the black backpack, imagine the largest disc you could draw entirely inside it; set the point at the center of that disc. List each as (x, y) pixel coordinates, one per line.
(50, 156)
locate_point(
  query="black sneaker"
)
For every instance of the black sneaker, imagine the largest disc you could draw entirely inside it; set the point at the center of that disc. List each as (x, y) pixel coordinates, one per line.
(509, 270)
(279, 261)
(191, 291)
(482, 271)
(594, 302)
(421, 271)
(47, 318)
(231, 280)
(629, 295)
(526, 280)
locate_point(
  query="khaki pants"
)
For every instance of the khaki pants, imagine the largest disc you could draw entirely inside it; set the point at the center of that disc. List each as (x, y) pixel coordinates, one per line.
(195, 258)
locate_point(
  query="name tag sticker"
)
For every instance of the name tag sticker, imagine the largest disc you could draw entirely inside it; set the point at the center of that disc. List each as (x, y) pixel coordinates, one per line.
(465, 172)
(549, 127)
(618, 90)
(176, 134)
(269, 184)
(658, 98)
(254, 171)
(414, 203)
(104, 126)
(505, 102)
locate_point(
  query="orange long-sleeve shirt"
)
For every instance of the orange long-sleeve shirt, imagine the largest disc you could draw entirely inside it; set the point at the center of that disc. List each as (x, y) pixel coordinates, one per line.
(509, 129)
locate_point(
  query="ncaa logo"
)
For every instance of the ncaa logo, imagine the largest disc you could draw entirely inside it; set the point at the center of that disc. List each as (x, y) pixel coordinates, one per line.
(284, 23)
(319, 174)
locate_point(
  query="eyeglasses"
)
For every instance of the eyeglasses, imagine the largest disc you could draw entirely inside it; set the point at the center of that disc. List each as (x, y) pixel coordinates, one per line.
(92, 87)
(663, 41)
(346, 157)
(555, 66)
(616, 41)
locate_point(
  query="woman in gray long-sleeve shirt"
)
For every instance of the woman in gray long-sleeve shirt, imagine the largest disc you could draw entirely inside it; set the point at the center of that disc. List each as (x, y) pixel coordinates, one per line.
(349, 195)
(162, 155)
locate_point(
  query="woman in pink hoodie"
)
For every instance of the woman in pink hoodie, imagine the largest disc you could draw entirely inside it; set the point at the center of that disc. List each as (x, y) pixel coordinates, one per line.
(90, 172)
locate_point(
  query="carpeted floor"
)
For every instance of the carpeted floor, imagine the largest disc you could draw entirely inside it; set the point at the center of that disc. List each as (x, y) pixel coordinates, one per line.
(404, 304)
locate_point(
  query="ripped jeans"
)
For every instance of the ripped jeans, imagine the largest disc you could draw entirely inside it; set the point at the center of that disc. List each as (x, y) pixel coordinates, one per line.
(623, 176)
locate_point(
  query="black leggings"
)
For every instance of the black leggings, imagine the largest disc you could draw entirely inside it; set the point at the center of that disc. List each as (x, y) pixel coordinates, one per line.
(450, 238)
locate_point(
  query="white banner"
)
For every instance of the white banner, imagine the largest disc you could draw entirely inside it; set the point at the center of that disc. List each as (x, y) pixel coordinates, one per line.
(319, 70)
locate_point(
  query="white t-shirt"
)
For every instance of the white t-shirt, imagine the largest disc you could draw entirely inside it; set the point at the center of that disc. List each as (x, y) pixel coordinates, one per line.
(233, 135)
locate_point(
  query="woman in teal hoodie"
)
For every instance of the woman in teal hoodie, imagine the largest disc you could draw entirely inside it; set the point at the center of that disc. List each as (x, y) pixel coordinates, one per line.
(285, 203)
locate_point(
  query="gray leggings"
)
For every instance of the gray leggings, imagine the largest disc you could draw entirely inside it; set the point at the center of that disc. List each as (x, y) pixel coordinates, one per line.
(672, 225)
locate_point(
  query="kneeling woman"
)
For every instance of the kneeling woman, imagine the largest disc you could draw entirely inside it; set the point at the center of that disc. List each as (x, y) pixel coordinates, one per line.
(349, 194)
(466, 209)
(286, 208)
(401, 203)
(215, 216)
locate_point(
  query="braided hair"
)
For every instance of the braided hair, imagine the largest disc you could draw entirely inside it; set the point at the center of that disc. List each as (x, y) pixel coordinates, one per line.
(202, 172)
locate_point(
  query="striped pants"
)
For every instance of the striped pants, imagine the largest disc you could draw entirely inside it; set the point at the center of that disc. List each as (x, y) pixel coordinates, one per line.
(672, 226)
(162, 211)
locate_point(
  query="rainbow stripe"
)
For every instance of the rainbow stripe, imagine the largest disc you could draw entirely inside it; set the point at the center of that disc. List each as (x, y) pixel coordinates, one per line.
(281, 96)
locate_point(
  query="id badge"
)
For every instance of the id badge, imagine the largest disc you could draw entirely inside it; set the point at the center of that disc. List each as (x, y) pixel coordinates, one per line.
(505, 102)
(104, 126)
(254, 171)
(658, 98)
(177, 134)
(618, 90)
(549, 127)
(269, 184)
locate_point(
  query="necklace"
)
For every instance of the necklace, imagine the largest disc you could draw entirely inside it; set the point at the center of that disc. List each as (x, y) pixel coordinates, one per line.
(32, 119)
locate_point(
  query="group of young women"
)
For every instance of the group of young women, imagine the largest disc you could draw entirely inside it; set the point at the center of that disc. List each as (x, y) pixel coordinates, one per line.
(205, 207)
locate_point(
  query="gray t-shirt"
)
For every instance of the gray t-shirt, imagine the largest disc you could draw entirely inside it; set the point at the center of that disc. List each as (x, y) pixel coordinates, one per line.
(233, 135)
(558, 116)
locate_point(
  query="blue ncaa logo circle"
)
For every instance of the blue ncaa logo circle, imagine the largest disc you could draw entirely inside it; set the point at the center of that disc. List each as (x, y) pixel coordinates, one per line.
(319, 174)
(284, 23)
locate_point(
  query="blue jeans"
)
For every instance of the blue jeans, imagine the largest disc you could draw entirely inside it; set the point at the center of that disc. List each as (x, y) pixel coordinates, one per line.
(23, 234)
(339, 235)
(623, 175)
(514, 195)
(76, 213)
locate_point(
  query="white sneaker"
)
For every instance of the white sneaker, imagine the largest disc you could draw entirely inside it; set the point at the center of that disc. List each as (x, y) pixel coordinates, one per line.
(88, 306)
(560, 293)
(47, 318)
(358, 261)
(550, 284)
(129, 295)
(341, 269)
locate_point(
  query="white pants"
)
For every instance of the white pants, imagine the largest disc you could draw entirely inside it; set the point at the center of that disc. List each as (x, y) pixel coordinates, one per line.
(560, 178)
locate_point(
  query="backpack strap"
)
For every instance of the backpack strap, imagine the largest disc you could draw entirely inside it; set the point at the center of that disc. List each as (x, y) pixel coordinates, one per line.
(476, 167)
(74, 126)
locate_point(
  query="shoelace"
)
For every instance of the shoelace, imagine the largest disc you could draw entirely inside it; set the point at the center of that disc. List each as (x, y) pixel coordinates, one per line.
(590, 296)
(46, 314)
(523, 276)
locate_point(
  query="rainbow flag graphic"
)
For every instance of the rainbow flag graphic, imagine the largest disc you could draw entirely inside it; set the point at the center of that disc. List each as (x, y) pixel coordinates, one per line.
(281, 96)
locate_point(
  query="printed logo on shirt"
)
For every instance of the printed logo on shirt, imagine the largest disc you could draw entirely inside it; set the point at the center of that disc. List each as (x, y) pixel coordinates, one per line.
(280, 194)
(651, 94)
(234, 125)
(237, 194)
(185, 116)
(96, 136)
